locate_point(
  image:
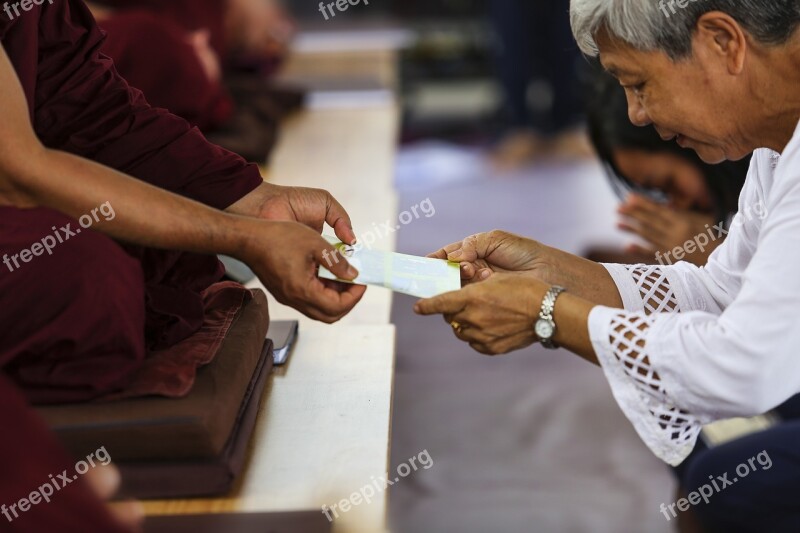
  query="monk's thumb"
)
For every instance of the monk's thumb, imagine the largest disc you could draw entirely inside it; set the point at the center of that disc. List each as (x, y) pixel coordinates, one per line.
(335, 261)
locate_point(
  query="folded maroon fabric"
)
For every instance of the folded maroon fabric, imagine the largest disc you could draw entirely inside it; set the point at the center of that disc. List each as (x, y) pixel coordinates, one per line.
(171, 372)
(195, 427)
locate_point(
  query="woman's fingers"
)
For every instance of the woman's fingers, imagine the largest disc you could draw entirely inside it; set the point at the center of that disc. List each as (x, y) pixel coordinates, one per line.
(640, 224)
(443, 253)
(448, 303)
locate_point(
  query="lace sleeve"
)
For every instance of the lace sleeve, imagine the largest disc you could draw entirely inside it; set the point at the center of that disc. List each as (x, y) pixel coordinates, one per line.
(620, 340)
(644, 288)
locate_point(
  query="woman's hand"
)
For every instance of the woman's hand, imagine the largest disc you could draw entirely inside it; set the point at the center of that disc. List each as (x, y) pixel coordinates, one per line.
(665, 228)
(497, 251)
(496, 316)
(286, 257)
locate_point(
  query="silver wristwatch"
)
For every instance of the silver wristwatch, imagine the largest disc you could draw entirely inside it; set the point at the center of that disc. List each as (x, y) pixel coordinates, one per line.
(545, 327)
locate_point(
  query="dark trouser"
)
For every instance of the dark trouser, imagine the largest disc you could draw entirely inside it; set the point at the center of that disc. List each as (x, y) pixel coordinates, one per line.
(535, 42)
(77, 322)
(764, 498)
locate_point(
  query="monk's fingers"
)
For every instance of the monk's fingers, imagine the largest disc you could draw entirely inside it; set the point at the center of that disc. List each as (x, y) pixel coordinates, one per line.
(331, 258)
(336, 216)
(330, 302)
(103, 480)
(130, 514)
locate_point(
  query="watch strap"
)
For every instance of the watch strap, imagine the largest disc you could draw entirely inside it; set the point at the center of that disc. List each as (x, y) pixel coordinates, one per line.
(546, 312)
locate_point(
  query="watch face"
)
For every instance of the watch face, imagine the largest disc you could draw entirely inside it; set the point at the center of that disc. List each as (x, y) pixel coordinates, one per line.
(544, 329)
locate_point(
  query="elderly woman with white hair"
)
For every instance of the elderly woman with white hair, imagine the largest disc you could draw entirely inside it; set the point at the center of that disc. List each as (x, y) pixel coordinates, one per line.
(680, 345)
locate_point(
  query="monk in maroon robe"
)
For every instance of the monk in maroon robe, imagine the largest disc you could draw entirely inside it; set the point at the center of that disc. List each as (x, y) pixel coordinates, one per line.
(81, 304)
(77, 322)
(175, 52)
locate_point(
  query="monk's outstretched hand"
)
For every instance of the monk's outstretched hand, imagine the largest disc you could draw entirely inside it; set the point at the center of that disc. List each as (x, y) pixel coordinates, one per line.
(286, 257)
(312, 207)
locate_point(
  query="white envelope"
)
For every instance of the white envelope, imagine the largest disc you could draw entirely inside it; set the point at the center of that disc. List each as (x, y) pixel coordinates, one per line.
(416, 276)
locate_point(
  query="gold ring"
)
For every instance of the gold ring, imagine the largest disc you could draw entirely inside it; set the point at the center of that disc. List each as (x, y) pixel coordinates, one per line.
(456, 326)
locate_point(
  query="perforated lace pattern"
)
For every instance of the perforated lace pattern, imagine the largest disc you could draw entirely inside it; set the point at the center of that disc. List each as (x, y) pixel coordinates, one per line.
(628, 339)
(657, 295)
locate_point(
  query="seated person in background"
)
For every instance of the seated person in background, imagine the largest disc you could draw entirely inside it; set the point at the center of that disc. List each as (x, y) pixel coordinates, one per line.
(537, 65)
(670, 196)
(251, 32)
(31, 461)
(205, 61)
(86, 315)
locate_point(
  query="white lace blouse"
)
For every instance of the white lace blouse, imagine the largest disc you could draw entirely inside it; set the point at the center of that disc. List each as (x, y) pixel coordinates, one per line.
(694, 345)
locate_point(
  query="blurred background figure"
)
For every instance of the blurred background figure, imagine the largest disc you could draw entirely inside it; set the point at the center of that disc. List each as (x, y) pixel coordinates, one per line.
(669, 195)
(537, 63)
(206, 61)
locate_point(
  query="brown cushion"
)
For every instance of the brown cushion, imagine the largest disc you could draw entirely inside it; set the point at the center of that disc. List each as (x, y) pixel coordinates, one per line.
(185, 478)
(155, 428)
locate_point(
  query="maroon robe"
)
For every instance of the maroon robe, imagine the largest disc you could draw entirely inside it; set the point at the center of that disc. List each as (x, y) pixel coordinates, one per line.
(153, 54)
(190, 14)
(208, 15)
(29, 456)
(77, 325)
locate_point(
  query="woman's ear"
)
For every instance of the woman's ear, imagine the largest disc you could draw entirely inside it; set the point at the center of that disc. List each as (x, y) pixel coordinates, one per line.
(721, 36)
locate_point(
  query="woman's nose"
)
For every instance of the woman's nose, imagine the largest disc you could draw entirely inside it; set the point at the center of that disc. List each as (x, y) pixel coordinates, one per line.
(636, 112)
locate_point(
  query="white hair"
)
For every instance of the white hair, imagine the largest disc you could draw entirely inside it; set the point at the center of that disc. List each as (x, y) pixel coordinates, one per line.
(663, 25)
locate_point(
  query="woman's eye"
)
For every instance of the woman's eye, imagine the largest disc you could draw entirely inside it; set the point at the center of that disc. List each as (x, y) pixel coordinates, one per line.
(636, 88)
